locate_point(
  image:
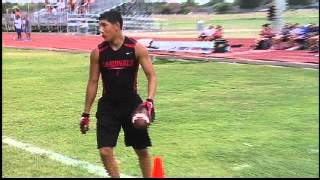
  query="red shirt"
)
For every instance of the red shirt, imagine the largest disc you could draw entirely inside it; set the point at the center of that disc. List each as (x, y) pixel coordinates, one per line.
(266, 33)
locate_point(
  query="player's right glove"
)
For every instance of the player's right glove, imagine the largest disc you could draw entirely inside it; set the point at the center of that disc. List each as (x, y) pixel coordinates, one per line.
(84, 122)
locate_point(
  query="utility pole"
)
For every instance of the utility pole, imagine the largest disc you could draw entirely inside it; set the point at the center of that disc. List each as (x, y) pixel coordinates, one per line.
(277, 21)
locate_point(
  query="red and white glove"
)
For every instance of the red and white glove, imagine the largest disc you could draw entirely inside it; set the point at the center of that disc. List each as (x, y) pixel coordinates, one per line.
(84, 122)
(150, 108)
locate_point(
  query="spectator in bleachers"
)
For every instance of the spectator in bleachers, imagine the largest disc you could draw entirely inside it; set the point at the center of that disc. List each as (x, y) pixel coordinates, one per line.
(72, 6)
(265, 39)
(46, 2)
(84, 7)
(53, 10)
(61, 6)
(48, 8)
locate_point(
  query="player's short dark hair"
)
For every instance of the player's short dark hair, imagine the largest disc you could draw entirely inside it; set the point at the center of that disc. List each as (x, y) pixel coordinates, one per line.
(112, 16)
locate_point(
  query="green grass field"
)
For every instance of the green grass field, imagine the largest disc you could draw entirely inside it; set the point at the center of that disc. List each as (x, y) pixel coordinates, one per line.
(213, 119)
(237, 25)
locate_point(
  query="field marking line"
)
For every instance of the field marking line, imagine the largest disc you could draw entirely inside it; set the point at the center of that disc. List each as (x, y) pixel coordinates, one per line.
(240, 167)
(91, 168)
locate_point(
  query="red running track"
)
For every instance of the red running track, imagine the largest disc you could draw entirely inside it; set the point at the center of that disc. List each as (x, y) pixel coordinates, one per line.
(87, 43)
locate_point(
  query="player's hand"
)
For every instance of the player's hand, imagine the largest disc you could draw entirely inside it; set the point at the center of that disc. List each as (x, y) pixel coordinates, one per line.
(84, 122)
(150, 107)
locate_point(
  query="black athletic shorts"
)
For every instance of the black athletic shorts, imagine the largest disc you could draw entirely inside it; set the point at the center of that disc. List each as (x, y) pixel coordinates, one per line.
(112, 115)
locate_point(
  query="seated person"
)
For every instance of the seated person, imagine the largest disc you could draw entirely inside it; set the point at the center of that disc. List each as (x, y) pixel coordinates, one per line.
(280, 41)
(216, 35)
(266, 32)
(206, 33)
(313, 38)
(265, 39)
(313, 43)
(312, 30)
(297, 38)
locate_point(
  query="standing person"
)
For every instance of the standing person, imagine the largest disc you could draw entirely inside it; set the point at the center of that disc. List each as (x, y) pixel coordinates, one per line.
(117, 60)
(27, 27)
(18, 26)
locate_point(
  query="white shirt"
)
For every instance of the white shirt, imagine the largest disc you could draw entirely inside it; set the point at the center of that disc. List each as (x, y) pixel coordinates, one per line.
(61, 6)
(18, 23)
(208, 32)
(54, 11)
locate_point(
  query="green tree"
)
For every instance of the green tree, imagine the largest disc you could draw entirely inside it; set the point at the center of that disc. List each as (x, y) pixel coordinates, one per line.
(221, 8)
(213, 2)
(299, 2)
(166, 10)
(248, 4)
(190, 3)
(187, 7)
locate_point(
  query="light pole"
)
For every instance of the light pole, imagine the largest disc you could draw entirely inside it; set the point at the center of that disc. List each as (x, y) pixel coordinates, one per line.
(277, 22)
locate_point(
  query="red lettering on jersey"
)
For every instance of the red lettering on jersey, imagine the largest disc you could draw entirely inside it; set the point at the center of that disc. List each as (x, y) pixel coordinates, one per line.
(119, 64)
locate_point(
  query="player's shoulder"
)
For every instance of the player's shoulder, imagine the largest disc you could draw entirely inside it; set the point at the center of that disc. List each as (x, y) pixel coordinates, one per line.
(130, 40)
(133, 43)
(94, 55)
(102, 45)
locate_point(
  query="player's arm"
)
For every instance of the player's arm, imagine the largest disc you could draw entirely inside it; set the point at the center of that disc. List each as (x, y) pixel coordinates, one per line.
(91, 92)
(146, 64)
(93, 80)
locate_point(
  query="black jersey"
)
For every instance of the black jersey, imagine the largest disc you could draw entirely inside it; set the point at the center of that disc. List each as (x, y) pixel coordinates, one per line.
(119, 69)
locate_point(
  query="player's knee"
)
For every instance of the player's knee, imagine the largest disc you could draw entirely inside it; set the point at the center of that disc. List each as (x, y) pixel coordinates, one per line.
(106, 152)
(142, 153)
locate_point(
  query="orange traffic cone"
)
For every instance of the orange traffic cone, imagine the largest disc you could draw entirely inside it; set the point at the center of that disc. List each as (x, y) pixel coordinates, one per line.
(158, 171)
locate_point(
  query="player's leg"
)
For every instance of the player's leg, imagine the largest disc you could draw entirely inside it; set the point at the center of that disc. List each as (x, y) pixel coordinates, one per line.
(108, 128)
(144, 161)
(107, 136)
(19, 34)
(139, 139)
(109, 161)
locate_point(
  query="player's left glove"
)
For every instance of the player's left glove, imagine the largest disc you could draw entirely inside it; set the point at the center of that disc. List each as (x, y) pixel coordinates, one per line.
(150, 108)
(84, 122)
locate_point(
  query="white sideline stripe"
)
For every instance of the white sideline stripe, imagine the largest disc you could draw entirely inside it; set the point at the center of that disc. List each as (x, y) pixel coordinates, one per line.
(91, 168)
(240, 167)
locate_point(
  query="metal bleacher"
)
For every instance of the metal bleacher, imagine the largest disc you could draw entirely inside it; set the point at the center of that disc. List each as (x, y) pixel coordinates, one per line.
(136, 16)
(100, 6)
(82, 24)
